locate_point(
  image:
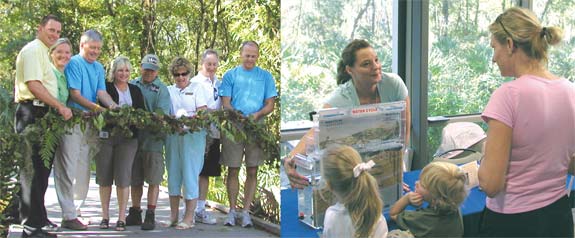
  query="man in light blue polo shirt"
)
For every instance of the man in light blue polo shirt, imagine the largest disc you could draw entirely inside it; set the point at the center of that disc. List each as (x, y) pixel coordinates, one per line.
(252, 91)
(86, 78)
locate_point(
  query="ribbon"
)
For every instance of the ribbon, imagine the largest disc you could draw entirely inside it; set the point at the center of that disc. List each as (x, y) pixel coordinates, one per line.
(362, 167)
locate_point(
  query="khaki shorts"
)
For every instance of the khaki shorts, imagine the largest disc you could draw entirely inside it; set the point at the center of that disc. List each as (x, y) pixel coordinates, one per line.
(233, 153)
(115, 160)
(149, 167)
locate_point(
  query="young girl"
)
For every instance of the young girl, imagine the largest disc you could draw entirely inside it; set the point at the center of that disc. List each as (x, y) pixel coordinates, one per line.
(358, 212)
(442, 185)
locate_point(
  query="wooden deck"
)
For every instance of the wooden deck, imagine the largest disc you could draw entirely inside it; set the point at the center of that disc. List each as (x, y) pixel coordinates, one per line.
(91, 212)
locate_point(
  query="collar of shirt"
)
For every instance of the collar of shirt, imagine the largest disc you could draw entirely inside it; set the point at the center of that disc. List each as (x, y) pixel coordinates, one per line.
(205, 79)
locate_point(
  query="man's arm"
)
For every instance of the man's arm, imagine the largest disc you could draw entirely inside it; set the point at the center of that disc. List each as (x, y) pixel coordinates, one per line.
(42, 94)
(267, 109)
(77, 97)
(164, 102)
(106, 99)
(227, 103)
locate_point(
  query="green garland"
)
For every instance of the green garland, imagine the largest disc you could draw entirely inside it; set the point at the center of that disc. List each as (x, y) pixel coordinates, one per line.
(48, 130)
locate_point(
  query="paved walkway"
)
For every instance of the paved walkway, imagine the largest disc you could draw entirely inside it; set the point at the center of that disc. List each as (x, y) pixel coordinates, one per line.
(91, 212)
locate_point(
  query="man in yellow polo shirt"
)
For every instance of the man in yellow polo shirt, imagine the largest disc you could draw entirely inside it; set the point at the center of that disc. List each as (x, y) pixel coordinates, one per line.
(36, 91)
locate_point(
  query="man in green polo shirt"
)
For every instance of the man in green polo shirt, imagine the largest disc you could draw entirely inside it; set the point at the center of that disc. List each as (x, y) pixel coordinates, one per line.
(149, 162)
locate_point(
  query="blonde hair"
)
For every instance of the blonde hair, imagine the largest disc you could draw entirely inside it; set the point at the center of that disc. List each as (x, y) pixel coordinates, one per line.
(117, 63)
(59, 42)
(445, 182)
(526, 32)
(360, 195)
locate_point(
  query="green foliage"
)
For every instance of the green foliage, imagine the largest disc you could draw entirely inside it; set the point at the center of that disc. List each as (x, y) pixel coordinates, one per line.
(231, 123)
(313, 36)
(133, 28)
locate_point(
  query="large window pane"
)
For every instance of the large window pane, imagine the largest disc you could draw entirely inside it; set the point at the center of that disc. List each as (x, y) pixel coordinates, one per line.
(462, 76)
(560, 14)
(313, 36)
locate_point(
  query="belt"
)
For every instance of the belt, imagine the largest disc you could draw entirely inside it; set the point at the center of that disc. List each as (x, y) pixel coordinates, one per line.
(34, 102)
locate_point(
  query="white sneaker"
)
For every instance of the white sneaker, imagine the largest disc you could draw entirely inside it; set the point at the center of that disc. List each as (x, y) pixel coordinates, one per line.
(246, 220)
(205, 217)
(231, 220)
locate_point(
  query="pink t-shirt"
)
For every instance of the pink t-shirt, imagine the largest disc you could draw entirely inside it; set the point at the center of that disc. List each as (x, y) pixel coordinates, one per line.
(542, 115)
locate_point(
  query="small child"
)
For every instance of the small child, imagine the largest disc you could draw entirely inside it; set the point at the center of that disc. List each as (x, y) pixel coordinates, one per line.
(358, 212)
(442, 185)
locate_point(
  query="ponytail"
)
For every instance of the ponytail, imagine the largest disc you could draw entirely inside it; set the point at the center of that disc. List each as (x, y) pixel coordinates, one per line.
(364, 204)
(359, 194)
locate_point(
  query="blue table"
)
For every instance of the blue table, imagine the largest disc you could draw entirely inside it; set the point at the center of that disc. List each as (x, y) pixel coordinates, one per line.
(292, 227)
(471, 210)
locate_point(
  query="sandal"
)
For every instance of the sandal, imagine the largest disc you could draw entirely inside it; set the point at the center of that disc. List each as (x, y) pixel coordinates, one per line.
(167, 224)
(184, 226)
(105, 224)
(120, 226)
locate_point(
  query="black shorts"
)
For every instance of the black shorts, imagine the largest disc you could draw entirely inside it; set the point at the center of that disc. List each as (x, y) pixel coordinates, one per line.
(212, 167)
(554, 220)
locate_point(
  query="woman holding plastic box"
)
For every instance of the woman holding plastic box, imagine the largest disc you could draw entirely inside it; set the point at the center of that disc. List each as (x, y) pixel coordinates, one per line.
(361, 82)
(531, 136)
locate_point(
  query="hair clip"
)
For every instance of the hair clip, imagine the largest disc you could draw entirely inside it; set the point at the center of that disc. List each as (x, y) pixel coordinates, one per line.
(362, 167)
(543, 32)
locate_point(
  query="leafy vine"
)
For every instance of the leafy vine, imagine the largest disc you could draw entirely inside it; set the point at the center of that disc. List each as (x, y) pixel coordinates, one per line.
(48, 130)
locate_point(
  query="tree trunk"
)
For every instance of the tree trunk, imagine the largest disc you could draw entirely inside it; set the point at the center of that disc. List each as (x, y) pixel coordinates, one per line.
(215, 24)
(545, 9)
(148, 40)
(359, 15)
(445, 12)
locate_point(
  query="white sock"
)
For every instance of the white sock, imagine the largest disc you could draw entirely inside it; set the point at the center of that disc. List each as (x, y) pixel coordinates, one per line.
(201, 205)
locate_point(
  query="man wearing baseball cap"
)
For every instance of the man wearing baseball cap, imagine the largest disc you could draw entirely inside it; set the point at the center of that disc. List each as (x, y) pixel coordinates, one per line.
(149, 162)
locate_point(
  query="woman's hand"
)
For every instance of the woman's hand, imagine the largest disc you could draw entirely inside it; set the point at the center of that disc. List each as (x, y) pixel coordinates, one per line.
(415, 199)
(295, 180)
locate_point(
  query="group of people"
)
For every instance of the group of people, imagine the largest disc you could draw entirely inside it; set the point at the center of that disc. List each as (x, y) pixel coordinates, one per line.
(49, 78)
(529, 150)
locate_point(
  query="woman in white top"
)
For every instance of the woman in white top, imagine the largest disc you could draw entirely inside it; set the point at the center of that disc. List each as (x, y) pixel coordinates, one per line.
(184, 152)
(208, 79)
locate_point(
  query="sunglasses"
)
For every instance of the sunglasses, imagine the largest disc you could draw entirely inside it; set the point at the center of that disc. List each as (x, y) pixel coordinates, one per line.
(182, 74)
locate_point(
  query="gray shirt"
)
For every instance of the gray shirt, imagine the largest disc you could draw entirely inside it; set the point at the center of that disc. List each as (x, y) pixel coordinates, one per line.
(391, 89)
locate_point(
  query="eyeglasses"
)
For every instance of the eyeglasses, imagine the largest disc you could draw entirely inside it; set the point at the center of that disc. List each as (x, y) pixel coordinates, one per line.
(216, 95)
(182, 74)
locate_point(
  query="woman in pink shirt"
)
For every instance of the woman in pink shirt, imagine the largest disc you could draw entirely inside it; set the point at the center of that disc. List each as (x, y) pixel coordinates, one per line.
(531, 136)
